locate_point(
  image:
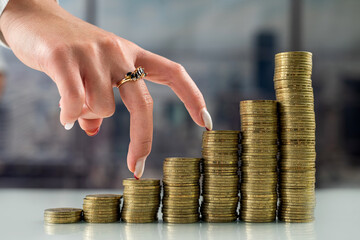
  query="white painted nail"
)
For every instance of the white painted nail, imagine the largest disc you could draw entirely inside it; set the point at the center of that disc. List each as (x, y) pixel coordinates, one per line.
(69, 126)
(139, 167)
(206, 118)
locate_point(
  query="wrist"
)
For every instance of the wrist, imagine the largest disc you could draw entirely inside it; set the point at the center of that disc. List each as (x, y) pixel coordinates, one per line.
(17, 10)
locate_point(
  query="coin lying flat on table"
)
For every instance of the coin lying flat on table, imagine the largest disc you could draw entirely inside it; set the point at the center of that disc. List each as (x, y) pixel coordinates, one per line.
(63, 215)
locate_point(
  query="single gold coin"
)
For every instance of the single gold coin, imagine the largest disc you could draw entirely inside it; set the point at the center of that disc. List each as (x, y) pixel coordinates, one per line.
(103, 196)
(142, 181)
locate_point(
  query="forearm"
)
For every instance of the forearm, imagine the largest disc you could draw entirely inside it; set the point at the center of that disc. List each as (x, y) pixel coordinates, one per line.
(13, 12)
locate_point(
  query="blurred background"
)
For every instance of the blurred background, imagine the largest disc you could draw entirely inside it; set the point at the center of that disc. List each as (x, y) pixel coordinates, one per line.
(228, 48)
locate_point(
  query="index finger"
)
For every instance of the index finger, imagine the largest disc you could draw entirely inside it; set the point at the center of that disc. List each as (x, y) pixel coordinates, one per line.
(166, 72)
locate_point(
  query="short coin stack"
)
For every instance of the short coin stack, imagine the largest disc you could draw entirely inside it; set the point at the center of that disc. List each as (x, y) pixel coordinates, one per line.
(63, 215)
(294, 92)
(221, 179)
(259, 149)
(102, 208)
(181, 190)
(141, 200)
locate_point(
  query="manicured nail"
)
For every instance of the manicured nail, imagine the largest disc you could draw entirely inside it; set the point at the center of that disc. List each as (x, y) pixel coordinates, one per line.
(92, 133)
(139, 168)
(136, 177)
(59, 106)
(207, 119)
(68, 126)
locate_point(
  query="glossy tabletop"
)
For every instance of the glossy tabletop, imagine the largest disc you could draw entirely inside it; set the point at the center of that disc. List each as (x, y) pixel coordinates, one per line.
(21, 217)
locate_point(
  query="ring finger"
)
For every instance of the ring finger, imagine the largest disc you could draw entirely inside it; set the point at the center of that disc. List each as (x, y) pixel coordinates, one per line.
(139, 103)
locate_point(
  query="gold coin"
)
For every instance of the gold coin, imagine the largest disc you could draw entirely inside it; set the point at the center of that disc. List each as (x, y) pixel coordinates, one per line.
(179, 219)
(220, 132)
(226, 160)
(153, 190)
(103, 196)
(63, 210)
(180, 211)
(139, 220)
(142, 181)
(182, 188)
(221, 163)
(216, 219)
(102, 201)
(220, 140)
(182, 159)
(62, 220)
(258, 102)
(170, 202)
(101, 220)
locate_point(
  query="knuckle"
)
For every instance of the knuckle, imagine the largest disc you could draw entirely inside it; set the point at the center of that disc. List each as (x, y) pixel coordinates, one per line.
(145, 102)
(178, 69)
(109, 42)
(54, 54)
(87, 48)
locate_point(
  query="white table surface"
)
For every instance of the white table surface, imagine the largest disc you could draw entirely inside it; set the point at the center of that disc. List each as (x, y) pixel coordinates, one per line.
(21, 217)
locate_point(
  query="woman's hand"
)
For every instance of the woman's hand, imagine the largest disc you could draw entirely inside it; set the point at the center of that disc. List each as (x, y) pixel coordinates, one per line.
(86, 62)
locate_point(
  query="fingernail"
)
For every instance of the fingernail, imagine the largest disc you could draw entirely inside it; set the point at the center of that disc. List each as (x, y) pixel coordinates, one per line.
(139, 168)
(68, 126)
(92, 133)
(207, 119)
(59, 106)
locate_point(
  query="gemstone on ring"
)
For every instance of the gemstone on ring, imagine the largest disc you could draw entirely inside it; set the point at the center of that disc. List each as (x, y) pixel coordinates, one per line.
(137, 74)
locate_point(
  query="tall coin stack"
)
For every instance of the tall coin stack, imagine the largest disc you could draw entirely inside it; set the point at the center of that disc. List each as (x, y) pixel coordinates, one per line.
(294, 92)
(181, 190)
(259, 149)
(102, 208)
(141, 200)
(221, 179)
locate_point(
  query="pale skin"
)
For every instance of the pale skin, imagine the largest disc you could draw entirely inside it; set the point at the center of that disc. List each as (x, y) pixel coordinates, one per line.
(86, 62)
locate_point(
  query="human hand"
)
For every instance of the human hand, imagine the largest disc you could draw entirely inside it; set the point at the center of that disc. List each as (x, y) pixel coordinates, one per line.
(86, 62)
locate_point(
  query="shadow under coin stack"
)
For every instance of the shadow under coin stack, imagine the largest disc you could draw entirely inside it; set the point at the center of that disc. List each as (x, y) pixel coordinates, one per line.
(62, 215)
(102, 208)
(294, 93)
(220, 180)
(141, 200)
(259, 149)
(181, 190)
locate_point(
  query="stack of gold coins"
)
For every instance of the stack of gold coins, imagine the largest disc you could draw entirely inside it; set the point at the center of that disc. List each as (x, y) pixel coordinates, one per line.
(259, 149)
(141, 200)
(294, 92)
(63, 215)
(102, 208)
(181, 190)
(220, 167)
